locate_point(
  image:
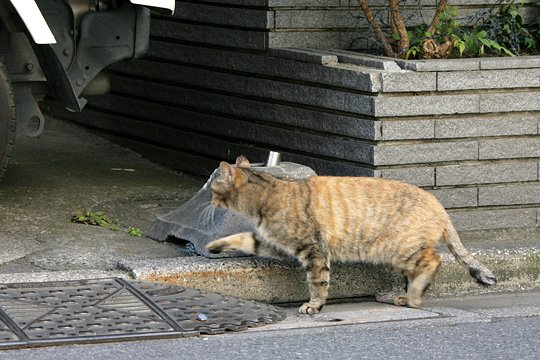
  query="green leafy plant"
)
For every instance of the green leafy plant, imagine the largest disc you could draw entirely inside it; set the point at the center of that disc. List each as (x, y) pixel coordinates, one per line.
(100, 218)
(134, 231)
(446, 31)
(97, 218)
(477, 43)
(505, 25)
(450, 38)
(499, 31)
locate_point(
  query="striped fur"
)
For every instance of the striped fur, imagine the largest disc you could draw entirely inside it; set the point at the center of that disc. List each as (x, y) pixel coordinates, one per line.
(324, 219)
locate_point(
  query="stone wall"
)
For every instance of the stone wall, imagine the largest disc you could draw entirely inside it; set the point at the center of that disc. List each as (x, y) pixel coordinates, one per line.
(210, 89)
(262, 24)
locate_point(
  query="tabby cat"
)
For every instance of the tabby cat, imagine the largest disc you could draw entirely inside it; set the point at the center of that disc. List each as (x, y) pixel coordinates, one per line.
(323, 219)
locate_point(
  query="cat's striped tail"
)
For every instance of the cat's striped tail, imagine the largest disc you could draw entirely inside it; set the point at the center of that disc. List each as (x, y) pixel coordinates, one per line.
(477, 270)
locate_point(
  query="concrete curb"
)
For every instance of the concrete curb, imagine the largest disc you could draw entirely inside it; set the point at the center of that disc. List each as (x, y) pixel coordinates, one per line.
(274, 281)
(283, 281)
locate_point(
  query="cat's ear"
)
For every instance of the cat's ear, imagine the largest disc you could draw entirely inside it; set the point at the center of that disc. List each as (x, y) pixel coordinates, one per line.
(227, 171)
(242, 161)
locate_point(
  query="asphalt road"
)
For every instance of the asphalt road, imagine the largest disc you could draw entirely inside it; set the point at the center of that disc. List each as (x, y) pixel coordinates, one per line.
(502, 326)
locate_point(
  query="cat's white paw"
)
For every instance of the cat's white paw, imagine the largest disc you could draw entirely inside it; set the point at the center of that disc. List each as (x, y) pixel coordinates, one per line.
(217, 246)
(242, 242)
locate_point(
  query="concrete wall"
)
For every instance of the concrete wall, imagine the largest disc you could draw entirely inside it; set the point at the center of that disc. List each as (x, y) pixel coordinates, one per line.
(210, 89)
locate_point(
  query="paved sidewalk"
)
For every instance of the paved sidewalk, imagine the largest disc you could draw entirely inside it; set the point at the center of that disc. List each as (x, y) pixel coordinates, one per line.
(68, 169)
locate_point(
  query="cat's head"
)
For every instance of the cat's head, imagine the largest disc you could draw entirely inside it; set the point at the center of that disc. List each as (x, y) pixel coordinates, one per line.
(226, 186)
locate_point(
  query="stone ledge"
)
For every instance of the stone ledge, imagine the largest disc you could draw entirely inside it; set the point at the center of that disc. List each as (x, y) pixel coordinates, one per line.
(305, 55)
(440, 65)
(358, 58)
(518, 62)
(284, 281)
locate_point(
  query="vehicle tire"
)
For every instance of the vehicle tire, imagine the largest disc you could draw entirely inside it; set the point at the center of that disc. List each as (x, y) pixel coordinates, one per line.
(7, 120)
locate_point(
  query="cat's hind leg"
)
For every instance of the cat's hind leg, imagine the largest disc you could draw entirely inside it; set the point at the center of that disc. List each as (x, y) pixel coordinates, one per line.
(426, 268)
(419, 278)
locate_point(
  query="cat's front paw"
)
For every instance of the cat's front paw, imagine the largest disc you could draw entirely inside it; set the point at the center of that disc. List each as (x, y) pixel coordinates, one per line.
(310, 309)
(243, 242)
(217, 246)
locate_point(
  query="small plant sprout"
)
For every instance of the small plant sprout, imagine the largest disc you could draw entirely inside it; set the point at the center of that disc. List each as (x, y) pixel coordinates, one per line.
(132, 231)
(100, 218)
(97, 218)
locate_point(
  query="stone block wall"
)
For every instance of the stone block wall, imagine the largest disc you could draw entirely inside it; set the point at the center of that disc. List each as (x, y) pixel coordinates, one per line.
(212, 87)
(262, 24)
(474, 141)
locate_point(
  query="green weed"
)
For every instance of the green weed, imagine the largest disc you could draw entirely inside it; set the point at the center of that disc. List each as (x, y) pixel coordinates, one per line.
(100, 218)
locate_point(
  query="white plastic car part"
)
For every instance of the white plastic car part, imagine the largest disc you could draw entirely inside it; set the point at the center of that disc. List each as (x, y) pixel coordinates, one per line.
(34, 21)
(40, 31)
(164, 4)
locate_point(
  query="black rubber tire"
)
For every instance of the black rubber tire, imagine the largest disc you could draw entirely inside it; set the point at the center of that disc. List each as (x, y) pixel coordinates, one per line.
(8, 123)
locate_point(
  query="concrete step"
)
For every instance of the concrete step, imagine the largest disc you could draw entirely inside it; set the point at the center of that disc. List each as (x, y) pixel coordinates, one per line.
(516, 265)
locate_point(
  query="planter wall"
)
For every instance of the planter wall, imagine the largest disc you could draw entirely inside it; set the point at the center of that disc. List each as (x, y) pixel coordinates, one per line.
(467, 130)
(262, 24)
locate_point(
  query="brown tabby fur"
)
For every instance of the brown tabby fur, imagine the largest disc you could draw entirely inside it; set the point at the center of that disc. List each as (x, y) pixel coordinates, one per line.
(325, 219)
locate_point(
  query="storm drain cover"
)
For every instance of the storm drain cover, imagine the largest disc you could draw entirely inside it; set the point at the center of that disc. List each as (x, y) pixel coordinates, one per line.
(83, 311)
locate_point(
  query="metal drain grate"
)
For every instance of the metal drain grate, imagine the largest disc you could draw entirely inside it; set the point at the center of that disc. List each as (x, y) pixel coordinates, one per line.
(40, 314)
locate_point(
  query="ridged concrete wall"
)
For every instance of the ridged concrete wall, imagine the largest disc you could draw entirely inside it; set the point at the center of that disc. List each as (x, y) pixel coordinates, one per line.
(210, 88)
